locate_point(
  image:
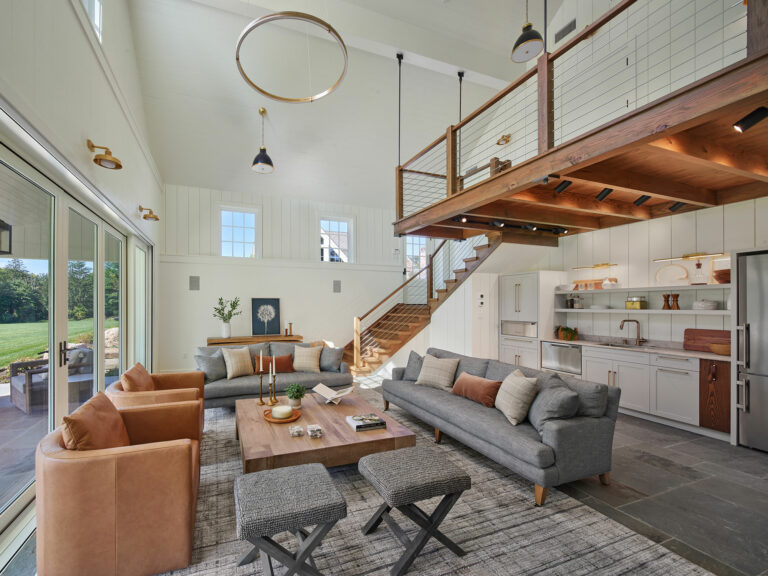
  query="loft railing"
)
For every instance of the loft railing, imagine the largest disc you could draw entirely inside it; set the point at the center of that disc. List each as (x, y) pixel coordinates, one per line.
(405, 306)
(598, 75)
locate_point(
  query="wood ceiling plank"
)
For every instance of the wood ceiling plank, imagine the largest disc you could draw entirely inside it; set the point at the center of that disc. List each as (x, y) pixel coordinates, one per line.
(438, 232)
(580, 203)
(740, 193)
(536, 215)
(644, 184)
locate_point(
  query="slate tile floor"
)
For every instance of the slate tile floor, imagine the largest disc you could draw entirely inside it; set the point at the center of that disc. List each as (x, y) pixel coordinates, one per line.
(702, 498)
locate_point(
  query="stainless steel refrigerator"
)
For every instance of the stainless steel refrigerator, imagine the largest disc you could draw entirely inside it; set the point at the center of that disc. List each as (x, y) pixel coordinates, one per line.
(752, 360)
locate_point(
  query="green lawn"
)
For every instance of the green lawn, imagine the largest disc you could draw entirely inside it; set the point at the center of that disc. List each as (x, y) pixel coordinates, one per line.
(27, 341)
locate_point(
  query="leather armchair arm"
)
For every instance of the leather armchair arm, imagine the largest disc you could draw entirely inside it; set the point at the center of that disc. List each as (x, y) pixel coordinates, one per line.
(161, 422)
(176, 380)
(129, 399)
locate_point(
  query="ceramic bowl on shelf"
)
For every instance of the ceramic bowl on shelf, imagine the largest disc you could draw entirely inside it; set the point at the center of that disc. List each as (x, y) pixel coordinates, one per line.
(722, 349)
(705, 305)
(722, 276)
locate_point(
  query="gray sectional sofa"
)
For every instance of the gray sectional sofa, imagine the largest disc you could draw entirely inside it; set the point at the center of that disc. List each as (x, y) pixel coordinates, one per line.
(566, 450)
(222, 392)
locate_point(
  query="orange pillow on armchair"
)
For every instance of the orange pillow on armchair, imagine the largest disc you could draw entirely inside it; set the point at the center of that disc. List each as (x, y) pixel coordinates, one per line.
(137, 379)
(282, 364)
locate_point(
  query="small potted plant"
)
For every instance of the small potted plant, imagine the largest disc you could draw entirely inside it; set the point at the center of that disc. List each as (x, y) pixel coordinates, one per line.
(225, 310)
(295, 393)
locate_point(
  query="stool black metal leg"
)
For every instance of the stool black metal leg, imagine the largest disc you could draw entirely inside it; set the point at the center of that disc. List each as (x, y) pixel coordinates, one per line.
(266, 563)
(300, 563)
(249, 556)
(419, 517)
(376, 519)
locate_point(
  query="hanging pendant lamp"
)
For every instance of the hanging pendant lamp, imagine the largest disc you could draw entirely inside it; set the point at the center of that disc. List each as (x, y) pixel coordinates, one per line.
(262, 163)
(529, 44)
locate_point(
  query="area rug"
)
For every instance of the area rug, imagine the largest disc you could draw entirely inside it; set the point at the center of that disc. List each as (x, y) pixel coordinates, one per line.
(495, 522)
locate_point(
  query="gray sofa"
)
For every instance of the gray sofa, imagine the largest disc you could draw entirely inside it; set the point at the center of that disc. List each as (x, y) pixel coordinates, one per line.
(222, 392)
(566, 450)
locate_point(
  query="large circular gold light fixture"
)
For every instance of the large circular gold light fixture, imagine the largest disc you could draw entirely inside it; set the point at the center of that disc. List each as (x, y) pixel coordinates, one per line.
(291, 16)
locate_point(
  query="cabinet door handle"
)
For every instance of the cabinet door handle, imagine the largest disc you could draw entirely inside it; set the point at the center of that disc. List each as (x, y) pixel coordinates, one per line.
(673, 371)
(744, 404)
(677, 358)
(517, 297)
(609, 378)
(616, 379)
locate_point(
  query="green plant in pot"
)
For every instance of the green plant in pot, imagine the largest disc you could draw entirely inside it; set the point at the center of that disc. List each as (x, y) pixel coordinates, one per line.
(225, 310)
(295, 393)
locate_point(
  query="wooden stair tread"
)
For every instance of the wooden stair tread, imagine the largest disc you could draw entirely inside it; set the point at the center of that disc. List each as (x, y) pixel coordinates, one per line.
(461, 271)
(470, 260)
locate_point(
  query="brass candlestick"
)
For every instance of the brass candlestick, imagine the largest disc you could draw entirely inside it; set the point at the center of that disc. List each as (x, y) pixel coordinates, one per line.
(274, 388)
(261, 389)
(272, 400)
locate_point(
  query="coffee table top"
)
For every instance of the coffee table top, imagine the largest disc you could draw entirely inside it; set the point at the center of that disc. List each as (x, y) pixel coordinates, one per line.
(265, 445)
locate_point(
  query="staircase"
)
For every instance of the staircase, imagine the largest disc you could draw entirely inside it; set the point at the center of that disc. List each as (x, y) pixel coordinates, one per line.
(407, 310)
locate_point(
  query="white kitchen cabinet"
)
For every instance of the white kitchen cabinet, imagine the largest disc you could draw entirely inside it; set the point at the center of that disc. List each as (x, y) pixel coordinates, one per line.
(519, 351)
(597, 370)
(519, 297)
(633, 379)
(675, 394)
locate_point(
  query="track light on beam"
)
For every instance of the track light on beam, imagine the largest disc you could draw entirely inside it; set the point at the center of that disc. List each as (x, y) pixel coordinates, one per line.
(562, 186)
(751, 119)
(604, 194)
(498, 224)
(642, 200)
(531, 227)
(676, 206)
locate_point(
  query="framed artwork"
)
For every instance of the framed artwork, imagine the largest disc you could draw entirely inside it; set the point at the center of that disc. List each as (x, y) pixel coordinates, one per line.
(265, 316)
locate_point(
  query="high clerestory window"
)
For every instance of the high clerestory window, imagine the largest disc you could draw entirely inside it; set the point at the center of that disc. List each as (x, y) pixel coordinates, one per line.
(94, 10)
(335, 240)
(238, 234)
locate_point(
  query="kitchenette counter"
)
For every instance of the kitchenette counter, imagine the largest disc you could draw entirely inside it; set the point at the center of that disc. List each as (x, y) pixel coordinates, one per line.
(650, 349)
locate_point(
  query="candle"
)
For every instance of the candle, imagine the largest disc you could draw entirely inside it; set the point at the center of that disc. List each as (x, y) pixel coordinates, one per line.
(261, 362)
(282, 412)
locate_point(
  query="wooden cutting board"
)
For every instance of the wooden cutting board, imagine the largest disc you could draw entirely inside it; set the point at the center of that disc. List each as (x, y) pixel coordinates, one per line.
(696, 339)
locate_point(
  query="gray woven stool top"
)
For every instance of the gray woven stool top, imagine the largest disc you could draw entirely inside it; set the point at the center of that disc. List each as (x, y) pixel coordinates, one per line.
(409, 475)
(273, 501)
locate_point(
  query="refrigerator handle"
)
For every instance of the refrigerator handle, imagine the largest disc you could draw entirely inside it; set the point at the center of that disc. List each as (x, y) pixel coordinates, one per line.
(743, 358)
(744, 404)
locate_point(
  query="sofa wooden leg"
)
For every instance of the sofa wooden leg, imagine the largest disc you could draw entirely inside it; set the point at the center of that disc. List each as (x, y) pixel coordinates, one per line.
(605, 479)
(541, 494)
(386, 405)
(438, 436)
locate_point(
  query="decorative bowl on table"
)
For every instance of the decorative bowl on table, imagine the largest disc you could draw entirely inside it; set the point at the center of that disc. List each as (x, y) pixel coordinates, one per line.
(292, 416)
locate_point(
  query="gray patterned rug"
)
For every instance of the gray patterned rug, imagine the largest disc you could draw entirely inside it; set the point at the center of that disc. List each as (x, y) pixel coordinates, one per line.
(495, 522)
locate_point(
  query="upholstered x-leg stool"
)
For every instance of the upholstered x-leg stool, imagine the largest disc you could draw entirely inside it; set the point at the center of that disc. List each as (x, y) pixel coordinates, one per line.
(404, 477)
(287, 500)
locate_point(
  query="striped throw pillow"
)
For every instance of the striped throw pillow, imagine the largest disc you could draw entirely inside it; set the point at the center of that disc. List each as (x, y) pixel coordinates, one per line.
(306, 359)
(437, 372)
(238, 361)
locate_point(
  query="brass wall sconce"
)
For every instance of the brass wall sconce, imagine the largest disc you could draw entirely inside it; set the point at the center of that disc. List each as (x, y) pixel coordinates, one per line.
(150, 215)
(505, 139)
(105, 160)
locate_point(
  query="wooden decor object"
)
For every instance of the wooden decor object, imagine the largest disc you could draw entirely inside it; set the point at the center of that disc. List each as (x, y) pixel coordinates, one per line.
(245, 340)
(698, 339)
(715, 395)
(666, 302)
(675, 303)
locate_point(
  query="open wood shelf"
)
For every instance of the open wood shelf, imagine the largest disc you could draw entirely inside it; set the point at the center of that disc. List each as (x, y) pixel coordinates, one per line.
(649, 289)
(624, 310)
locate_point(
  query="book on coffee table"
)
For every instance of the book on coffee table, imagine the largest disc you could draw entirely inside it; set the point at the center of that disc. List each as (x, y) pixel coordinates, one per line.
(332, 396)
(365, 422)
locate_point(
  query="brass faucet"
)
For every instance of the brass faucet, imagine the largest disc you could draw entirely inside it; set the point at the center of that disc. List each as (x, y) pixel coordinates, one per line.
(638, 341)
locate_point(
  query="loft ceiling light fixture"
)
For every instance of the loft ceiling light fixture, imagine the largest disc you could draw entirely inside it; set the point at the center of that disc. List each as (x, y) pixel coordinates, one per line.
(262, 164)
(751, 119)
(562, 186)
(105, 160)
(529, 44)
(301, 17)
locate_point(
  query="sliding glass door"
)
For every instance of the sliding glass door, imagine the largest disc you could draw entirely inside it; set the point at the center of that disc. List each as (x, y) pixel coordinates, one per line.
(112, 343)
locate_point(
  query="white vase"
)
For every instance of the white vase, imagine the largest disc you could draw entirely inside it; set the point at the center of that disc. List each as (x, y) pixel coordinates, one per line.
(226, 330)
(294, 403)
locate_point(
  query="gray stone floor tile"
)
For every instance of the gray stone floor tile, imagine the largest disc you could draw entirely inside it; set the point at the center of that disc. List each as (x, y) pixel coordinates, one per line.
(698, 557)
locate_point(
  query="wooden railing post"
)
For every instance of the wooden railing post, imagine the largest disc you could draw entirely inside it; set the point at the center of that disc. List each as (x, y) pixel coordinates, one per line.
(357, 342)
(430, 276)
(399, 192)
(757, 27)
(450, 162)
(546, 99)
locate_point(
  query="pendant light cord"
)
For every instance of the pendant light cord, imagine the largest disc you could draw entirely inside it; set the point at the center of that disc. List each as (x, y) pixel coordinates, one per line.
(399, 101)
(262, 130)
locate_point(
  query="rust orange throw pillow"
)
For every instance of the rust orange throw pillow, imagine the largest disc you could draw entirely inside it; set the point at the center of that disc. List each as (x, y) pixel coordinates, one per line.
(137, 379)
(476, 388)
(282, 364)
(95, 425)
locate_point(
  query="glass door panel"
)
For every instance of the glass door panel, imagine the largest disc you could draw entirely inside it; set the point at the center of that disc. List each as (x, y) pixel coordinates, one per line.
(140, 309)
(26, 376)
(82, 322)
(113, 308)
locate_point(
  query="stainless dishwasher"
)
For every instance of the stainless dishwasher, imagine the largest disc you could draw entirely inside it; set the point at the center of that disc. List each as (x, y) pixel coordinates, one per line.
(561, 357)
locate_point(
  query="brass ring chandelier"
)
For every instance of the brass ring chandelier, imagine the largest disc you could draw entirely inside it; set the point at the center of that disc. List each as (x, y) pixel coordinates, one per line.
(291, 16)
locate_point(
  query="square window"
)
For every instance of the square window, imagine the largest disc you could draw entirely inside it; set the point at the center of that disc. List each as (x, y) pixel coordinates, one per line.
(238, 234)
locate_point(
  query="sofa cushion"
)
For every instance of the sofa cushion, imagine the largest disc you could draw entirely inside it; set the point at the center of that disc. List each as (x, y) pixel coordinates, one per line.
(552, 403)
(213, 366)
(468, 364)
(137, 379)
(487, 424)
(413, 368)
(283, 364)
(437, 372)
(500, 370)
(284, 348)
(515, 396)
(593, 397)
(249, 385)
(330, 359)
(238, 361)
(95, 425)
(476, 389)
(307, 359)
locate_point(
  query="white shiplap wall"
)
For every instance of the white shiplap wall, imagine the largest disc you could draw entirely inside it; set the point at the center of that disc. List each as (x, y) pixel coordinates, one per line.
(289, 227)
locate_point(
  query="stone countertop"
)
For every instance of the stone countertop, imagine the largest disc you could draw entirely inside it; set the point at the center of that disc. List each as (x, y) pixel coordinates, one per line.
(649, 349)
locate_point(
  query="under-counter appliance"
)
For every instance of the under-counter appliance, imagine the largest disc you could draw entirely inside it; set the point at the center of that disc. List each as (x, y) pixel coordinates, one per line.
(752, 355)
(561, 357)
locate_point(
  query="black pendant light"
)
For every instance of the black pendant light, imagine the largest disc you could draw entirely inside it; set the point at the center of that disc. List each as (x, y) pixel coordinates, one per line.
(262, 163)
(529, 44)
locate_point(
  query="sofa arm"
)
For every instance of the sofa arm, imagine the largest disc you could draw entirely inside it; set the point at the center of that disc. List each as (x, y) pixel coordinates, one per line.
(398, 373)
(344, 368)
(162, 422)
(582, 446)
(130, 399)
(177, 380)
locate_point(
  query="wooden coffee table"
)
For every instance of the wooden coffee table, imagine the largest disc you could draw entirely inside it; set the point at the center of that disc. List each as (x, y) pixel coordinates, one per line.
(264, 446)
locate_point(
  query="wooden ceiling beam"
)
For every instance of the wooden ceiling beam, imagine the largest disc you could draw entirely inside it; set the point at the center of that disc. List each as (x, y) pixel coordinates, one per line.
(644, 184)
(580, 203)
(749, 191)
(439, 232)
(698, 150)
(536, 215)
(513, 236)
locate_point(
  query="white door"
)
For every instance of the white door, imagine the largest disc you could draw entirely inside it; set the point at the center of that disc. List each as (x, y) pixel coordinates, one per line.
(507, 300)
(597, 370)
(675, 394)
(528, 298)
(634, 381)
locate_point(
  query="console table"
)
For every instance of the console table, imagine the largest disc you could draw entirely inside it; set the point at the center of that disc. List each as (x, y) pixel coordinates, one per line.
(234, 340)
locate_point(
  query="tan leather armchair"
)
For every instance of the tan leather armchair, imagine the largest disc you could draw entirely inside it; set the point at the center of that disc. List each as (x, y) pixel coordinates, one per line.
(170, 387)
(127, 511)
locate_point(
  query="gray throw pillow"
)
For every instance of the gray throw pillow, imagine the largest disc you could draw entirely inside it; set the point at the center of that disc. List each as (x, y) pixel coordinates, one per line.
(413, 368)
(330, 359)
(593, 397)
(213, 366)
(553, 403)
(438, 372)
